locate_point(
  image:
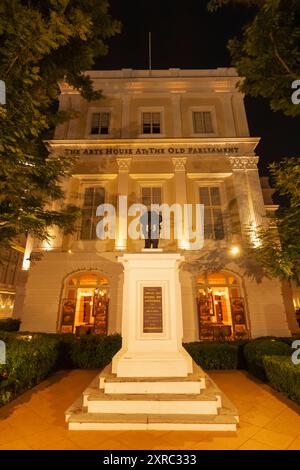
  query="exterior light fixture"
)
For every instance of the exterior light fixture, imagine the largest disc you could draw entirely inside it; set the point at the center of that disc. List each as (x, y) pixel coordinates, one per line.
(235, 250)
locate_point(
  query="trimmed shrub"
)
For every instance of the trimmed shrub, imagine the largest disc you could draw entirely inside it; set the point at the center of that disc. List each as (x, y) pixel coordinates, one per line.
(9, 324)
(28, 362)
(31, 357)
(94, 351)
(283, 375)
(255, 350)
(214, 355)
(283, 339)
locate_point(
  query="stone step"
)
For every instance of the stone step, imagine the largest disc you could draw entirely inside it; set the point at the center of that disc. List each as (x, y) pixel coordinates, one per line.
(106, 421)
(209, 410)
(197, 374)
(100, 402)
(192, 384)
(211, 392)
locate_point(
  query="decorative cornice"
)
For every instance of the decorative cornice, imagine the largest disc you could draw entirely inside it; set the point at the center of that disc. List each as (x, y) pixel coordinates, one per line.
(179, 163)
(243, 163)
(123, 164)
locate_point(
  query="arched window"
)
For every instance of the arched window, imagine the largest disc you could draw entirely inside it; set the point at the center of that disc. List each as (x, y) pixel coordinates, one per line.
(220, 306)
(85, 304)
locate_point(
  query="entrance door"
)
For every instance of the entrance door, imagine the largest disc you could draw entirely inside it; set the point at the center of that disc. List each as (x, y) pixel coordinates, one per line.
(221, 310)
(85, 308)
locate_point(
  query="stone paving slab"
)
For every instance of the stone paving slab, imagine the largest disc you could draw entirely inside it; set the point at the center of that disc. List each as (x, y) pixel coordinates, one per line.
(35, 420)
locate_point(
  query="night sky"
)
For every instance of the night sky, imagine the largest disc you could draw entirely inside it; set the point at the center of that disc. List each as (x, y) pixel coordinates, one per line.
(186, 36)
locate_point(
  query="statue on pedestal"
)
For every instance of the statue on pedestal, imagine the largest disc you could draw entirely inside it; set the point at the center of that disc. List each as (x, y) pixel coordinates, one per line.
(151, 226)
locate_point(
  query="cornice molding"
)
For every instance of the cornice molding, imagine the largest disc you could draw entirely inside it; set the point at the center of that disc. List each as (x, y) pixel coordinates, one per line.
(123, 164)
(179, 163)
(243, 163)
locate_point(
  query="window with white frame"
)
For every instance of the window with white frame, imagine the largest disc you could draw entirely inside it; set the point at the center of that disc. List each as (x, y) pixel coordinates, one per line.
(151, 195)
(202, 122)
(93, 197)
(100, 123)
(151, 122)
(213, 220)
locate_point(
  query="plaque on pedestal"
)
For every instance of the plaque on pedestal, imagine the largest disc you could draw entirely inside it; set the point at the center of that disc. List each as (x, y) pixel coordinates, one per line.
(152, 310)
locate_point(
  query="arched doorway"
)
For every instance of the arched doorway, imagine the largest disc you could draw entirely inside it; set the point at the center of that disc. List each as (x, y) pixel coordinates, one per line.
(220, 307)
(85, 304)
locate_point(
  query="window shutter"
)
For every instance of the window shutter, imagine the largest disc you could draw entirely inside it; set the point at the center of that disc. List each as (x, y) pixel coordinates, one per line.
(213, 219)
(202, 121)
(93, 197)
(95, 123)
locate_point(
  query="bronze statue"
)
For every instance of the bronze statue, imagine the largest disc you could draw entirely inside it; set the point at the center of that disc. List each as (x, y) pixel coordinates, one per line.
(151, 226)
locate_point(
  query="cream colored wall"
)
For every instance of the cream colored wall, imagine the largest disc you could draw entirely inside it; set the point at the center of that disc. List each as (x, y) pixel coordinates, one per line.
(44, 290)
(192, 102)
(229, 111)
(266, 307)
(79, 127)
(152, 101)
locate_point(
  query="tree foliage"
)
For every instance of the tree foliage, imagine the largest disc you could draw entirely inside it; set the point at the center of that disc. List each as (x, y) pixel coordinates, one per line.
(41, 43)
(271, 250)
(278, 250)
(268, 54)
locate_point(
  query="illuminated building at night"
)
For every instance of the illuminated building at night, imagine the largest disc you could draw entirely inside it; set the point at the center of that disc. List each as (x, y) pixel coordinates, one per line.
(161, 136)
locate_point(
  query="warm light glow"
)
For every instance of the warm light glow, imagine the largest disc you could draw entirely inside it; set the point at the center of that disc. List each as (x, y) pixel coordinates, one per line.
(69, 251)
(235, 250)
(27, 253)
(26, 264)
(47, 245)
(184, 244)
(120, 244)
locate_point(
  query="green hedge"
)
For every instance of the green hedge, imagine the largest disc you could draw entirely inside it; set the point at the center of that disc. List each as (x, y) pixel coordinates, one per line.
(214, 355)
(9, 324)
(30, 358)
(283, 375)
(255, 350)
(28, 362)
(94, 351)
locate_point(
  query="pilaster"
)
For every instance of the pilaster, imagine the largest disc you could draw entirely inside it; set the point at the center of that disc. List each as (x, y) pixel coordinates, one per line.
(123, 182)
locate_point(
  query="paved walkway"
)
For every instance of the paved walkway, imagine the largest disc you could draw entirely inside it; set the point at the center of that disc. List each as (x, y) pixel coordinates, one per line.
(36, 420)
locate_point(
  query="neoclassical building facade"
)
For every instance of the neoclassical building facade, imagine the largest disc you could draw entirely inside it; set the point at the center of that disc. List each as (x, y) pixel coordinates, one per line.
(163, 137)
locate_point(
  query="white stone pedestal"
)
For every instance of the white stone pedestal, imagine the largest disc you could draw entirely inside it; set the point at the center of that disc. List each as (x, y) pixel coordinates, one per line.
(151, 354)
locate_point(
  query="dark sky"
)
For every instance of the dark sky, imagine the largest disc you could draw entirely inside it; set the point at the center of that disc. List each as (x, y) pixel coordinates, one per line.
(185, 35)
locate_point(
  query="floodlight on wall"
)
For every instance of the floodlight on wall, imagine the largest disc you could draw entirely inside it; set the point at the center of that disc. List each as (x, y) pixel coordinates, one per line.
(235, 250)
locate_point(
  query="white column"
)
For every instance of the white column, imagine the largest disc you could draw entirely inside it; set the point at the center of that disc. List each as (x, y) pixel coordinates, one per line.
(28, 250)
(74, 124)
(177, 125)
(125, 131)
(248, 191)
(123, 180)
(229, 116)
(180, 190)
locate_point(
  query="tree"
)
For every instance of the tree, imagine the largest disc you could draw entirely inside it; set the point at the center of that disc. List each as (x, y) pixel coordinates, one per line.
(278, 250)
(42, 43)
(268, 54)
(272, 250)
